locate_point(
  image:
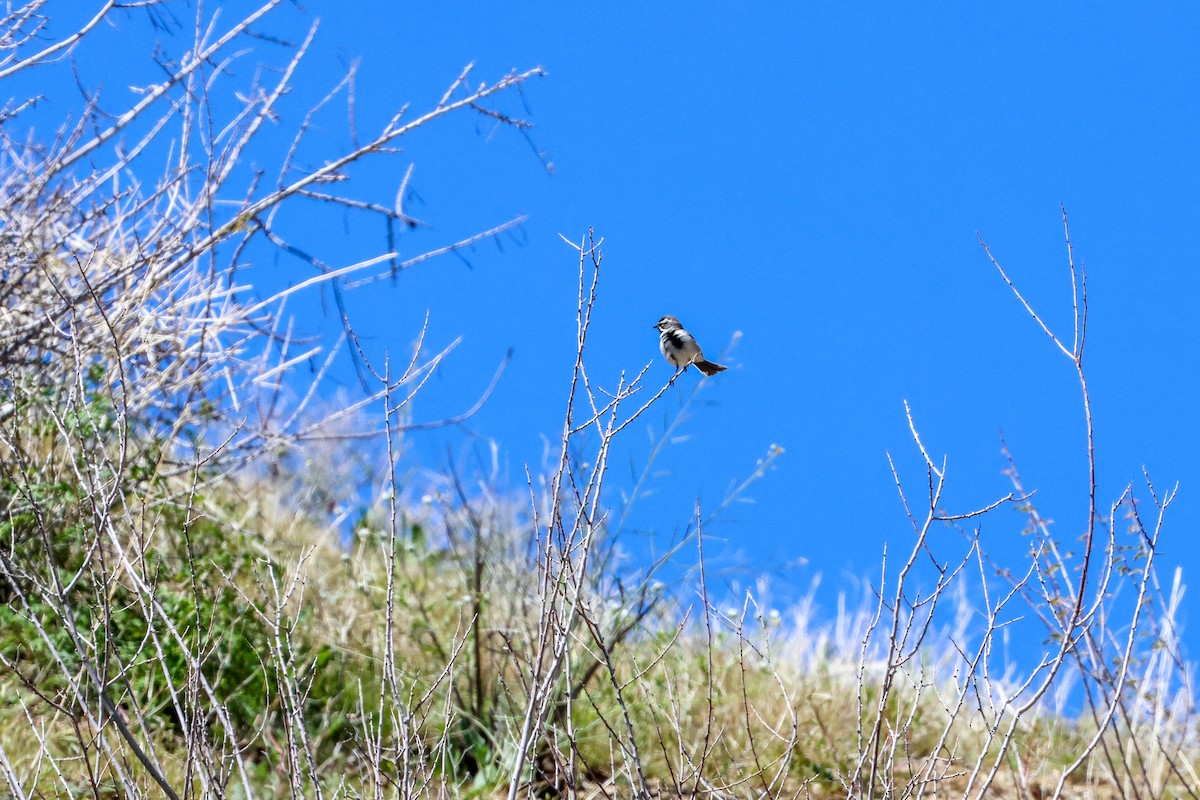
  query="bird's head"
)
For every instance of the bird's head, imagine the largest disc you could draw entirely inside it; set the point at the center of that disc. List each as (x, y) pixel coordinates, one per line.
(668, 323)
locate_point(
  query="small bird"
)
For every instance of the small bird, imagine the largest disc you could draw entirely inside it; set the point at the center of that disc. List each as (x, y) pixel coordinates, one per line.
(680, 347)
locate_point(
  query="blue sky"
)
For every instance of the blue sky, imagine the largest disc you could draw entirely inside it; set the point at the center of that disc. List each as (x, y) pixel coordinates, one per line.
(815, 178)
(812, 176)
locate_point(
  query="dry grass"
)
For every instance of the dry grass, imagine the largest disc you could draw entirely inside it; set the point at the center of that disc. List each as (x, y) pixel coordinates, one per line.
(192, 609)
(750, 706)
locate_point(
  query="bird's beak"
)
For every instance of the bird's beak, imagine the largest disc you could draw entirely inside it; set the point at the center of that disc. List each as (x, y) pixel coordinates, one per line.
(652, 327)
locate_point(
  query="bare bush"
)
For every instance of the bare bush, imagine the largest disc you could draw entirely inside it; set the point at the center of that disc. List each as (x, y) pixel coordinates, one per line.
(1117, 657)
(139, 373)
(180, 616)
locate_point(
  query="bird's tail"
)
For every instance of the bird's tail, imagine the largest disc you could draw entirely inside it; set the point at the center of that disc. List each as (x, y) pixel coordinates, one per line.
(708, 367)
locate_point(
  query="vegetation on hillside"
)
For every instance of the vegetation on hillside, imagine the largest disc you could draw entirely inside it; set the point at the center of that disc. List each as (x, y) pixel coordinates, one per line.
(181, 618)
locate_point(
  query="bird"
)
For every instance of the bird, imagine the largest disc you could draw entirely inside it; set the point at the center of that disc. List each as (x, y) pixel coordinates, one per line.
(680, 347)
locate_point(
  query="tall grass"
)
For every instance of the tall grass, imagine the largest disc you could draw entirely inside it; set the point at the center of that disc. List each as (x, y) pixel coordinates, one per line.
(192, 609)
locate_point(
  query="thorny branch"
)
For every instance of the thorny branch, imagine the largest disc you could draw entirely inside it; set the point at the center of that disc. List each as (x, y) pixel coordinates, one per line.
(1076, 599)
(134, 361)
